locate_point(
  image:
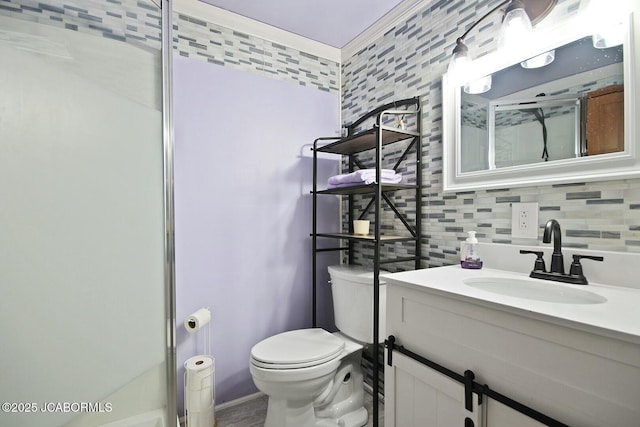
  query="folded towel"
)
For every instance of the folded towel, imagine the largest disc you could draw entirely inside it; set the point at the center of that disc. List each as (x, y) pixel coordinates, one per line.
(365, 176)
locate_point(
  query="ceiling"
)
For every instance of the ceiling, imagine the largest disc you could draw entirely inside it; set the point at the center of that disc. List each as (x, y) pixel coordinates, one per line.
(332, 22)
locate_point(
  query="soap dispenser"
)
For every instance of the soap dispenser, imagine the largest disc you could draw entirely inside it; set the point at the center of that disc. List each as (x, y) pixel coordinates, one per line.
(469, 257)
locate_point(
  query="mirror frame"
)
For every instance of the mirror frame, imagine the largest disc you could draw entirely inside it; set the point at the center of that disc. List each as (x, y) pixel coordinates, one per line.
(620, 165)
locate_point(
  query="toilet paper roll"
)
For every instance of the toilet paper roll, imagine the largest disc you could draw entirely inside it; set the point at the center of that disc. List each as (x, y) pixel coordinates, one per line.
(199, 391)
(197, 320)
(203, 418)
(199, 371)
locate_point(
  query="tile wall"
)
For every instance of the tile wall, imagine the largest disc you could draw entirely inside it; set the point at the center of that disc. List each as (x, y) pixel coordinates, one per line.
(408, 61)
(139, 24)
(205, 41)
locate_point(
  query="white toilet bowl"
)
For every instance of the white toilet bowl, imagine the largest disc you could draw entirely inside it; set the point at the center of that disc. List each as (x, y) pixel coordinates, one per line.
(312, 378)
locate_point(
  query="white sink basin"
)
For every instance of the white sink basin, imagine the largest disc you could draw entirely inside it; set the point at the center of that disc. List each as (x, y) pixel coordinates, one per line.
(534, 289)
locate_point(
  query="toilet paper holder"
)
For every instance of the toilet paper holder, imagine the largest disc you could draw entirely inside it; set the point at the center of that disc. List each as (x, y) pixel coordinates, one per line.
(198, 320)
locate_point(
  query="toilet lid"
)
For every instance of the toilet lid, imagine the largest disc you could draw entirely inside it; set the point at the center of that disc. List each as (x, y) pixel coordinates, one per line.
(297, 349)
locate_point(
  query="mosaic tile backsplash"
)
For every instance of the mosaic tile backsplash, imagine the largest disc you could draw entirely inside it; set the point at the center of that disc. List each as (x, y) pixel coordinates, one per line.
(408, 61)
(205, 41)
(131, 21)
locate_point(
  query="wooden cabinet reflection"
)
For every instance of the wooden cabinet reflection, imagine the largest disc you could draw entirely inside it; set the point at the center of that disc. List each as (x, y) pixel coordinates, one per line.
(605, 120)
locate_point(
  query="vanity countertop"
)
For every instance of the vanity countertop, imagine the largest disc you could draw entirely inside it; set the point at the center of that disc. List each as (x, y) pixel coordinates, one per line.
(618, 317)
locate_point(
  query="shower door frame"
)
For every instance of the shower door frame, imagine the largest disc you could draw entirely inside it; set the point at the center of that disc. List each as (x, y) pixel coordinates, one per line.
(168, 145)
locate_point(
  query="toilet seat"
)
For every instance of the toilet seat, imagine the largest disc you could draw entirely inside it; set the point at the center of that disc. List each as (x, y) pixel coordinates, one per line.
(302, 348)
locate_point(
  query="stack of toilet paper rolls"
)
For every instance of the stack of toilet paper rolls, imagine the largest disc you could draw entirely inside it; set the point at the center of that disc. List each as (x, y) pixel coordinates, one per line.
(199, 391)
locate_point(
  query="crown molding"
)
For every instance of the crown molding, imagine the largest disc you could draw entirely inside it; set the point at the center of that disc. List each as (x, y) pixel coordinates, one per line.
(201, 10)
(396, 16)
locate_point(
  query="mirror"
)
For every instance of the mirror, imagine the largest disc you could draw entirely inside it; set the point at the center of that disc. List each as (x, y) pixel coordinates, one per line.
(508, 125)
(517, 131)
(534, 115)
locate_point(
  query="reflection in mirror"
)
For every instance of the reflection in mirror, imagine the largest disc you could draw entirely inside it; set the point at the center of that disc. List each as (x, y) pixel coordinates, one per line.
(572, 107)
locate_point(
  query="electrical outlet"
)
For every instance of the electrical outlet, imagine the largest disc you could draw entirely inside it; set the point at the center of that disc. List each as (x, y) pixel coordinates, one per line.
(524, 220)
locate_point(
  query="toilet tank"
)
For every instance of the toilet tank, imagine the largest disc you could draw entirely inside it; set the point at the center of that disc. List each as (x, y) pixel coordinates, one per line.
(352, 289)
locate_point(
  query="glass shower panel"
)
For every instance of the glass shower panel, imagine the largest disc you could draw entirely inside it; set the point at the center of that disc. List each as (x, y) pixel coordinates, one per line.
(82, 227)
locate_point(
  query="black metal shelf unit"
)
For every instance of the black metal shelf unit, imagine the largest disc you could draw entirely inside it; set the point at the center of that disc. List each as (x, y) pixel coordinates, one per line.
(356, 142)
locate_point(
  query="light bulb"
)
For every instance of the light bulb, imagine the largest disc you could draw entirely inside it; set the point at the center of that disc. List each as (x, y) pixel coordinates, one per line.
(481, 85)
(516, 26)
(541, 60)
(607, 22)
(460, 61)
(610, 36)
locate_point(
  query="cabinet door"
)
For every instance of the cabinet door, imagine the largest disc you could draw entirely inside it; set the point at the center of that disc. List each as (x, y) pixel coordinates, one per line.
(605, 120)
(499, 415)
(418, 396)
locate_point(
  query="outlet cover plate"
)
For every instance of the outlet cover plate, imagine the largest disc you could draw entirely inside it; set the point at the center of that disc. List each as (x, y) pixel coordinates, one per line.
(524, 220)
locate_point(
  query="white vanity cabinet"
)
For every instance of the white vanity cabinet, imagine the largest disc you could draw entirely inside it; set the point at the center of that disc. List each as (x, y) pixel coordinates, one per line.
(540, 354)
(499, 415)
(418, 396)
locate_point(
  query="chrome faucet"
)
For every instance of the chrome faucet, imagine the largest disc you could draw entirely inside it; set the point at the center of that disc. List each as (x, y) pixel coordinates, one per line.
(575, 276)
(557, 260)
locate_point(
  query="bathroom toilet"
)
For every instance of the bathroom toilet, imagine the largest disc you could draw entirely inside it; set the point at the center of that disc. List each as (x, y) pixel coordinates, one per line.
(313, 378)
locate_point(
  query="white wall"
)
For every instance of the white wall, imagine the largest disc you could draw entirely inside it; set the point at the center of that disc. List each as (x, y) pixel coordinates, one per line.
(243, 211)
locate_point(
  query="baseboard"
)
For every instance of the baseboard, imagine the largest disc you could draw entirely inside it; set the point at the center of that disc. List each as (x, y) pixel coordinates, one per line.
(238, 401)
(230, 404)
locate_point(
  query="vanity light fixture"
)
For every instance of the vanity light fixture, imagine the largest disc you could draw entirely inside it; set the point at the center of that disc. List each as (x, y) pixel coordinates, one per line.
(519, 17)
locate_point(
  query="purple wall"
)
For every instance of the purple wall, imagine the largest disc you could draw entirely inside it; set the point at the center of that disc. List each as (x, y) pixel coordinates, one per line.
(243, 211)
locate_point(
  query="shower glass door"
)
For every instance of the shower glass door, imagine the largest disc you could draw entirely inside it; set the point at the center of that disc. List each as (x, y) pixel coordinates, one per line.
(83, 258)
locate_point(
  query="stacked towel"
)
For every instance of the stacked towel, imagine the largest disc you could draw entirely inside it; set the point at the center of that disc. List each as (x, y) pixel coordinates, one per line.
(364, 176)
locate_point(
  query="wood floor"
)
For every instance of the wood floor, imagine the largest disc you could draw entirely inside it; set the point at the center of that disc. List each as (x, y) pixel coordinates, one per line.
(253, 412)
